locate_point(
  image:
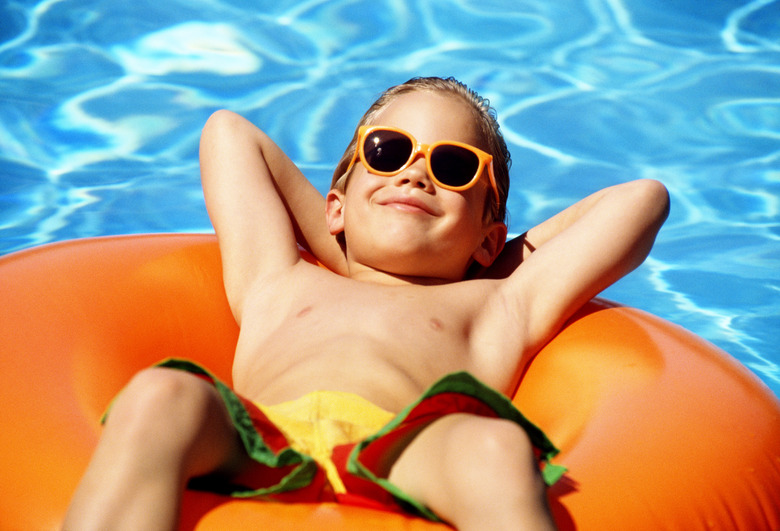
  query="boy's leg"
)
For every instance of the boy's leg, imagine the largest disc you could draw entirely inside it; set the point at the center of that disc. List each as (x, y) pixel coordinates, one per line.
(166, 427)
(475, 472)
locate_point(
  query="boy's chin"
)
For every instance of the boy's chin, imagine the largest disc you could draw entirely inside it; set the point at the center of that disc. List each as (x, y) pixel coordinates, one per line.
(411, 256)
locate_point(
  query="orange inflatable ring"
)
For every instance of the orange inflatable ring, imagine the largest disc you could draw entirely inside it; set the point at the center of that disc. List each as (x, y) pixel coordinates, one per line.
(658, 428)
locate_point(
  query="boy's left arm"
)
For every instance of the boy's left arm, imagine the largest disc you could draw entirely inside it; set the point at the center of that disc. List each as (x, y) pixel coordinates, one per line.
(573, 256)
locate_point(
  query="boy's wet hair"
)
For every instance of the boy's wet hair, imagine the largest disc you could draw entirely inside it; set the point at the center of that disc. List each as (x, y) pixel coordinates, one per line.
(488, 129)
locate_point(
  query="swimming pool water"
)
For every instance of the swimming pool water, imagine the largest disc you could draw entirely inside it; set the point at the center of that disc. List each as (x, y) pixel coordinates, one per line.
(102, 105)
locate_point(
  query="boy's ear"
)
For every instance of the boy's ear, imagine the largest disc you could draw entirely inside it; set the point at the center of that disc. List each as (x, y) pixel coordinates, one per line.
(492, 244)
(334, 211)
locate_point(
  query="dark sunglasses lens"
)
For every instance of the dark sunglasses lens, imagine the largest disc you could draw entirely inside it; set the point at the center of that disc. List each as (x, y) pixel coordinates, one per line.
(454, 165)
(387, 151)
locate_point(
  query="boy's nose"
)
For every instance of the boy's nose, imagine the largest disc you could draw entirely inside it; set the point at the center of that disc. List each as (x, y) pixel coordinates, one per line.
(416, 174)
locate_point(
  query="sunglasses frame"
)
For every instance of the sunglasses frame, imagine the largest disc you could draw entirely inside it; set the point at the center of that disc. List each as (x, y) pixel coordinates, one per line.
(485, 159)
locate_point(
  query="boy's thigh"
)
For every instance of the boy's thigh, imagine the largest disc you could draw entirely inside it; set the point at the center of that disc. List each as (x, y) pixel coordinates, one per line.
(188, 413)
(457, 448)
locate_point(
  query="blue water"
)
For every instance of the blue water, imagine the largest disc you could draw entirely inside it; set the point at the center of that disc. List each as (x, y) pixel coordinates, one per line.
(101, 105)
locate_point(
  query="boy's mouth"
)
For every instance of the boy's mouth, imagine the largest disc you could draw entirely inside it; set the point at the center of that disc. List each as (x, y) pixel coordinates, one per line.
(407, 203)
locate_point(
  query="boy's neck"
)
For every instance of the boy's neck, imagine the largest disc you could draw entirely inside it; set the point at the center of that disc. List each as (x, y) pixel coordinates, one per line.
(374, 276)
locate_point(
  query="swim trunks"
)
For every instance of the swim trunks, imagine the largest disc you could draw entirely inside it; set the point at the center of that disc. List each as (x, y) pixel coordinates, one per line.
(329, 446)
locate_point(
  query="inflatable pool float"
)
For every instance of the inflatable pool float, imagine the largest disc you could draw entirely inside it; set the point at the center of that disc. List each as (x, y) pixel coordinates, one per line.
(659, 429)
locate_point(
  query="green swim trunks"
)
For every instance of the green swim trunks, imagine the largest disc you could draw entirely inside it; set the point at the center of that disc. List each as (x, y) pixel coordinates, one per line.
(286, 470)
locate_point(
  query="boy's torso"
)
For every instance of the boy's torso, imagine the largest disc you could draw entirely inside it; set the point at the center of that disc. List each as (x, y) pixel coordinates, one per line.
(308, 329)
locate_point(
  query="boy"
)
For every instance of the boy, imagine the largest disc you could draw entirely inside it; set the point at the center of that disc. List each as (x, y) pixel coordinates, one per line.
(416, 206)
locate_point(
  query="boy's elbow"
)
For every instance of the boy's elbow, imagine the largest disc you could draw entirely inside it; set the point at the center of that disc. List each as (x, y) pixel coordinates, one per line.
(227, 130)
(649, 203)
(214, 130)
(651, 200)
(221, 122)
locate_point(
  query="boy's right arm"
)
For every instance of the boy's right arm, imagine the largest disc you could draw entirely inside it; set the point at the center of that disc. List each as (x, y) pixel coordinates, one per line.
(260, 205)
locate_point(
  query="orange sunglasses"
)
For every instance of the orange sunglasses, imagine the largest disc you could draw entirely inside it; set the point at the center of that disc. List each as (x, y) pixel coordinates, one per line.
(452, 165)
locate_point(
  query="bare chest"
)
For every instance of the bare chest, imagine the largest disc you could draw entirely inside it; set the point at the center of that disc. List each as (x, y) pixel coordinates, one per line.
(339, 315)
(338, 334)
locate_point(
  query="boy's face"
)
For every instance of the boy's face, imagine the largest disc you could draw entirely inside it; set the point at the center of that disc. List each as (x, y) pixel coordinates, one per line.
(405, 224)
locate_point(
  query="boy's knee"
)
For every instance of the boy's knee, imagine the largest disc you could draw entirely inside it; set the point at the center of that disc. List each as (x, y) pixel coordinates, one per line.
(492, 437)
(495, 451)
(504, 441)
(156, 395)
(503, 437)
(490, 463)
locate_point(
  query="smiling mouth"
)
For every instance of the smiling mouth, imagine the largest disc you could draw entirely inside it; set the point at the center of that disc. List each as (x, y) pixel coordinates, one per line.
(407, 204)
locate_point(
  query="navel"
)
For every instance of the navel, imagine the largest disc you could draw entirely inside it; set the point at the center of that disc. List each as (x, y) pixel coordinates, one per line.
(304, 312)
